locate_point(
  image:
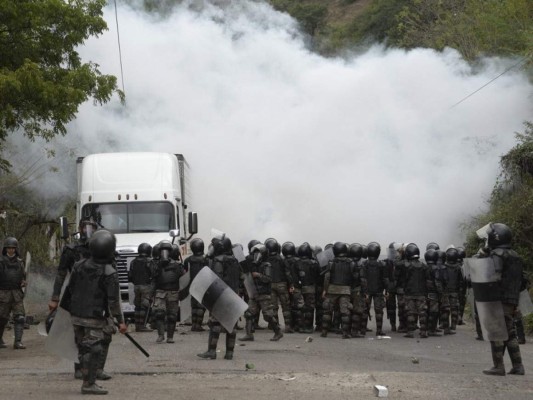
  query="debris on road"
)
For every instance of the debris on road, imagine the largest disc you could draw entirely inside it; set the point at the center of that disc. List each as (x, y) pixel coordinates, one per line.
(381, 391)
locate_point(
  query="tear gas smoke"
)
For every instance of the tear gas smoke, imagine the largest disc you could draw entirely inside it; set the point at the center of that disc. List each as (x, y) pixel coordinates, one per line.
(285, 143)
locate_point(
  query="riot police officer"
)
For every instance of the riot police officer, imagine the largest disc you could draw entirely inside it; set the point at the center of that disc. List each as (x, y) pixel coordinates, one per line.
(375, 282)
(261, 271)
(12, 280)
(140, 275)
(193, 264)
(431, 257)
(92, 294)
(281, 283)
(307, 271)
(165, 291)
(499, 242)
(338, 280)
(296, 300)
(417, 281)
(454, 286)
(227, 268)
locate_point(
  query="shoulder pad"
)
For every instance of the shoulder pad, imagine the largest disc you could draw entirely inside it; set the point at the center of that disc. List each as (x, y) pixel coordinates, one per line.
(109, 270)
(499, 252)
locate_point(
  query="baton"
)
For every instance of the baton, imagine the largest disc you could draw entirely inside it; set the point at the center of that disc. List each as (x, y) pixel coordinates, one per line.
(132, 340)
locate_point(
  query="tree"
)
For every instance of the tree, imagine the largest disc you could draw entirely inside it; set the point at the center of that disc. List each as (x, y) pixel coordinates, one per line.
(511, 201)
(43, 80)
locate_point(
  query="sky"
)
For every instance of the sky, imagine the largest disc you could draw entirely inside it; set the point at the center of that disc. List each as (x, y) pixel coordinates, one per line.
(285, 143)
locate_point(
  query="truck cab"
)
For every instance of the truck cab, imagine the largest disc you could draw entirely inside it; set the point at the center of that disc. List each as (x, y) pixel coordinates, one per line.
(140, 197)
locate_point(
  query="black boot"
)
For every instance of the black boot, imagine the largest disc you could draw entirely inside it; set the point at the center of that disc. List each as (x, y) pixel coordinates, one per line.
(230, 346)
(277, 330)
(19, 330)
(497, 359)
(170, 332)
(3, 323)
(100, 373)
(211, 352)
(160, 331)
(520, 334)
(249, 337)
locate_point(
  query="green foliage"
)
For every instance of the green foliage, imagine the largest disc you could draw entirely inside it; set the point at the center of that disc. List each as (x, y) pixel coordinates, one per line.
(311, 15)
(512, 199)
(42, 77)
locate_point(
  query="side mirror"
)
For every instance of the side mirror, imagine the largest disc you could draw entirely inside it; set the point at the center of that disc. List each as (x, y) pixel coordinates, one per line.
(63, 228)
(193, 223)
(174, 233)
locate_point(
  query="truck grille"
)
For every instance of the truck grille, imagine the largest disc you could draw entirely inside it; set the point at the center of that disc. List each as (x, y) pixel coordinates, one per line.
(123, 265)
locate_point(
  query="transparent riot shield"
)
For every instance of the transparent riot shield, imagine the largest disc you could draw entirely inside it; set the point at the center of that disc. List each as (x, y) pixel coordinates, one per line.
(60, 339)
(249, 285)
(525, 305)
(185, 297)
(238, 253)
(485, 275)
(221, 301)
(325, 256)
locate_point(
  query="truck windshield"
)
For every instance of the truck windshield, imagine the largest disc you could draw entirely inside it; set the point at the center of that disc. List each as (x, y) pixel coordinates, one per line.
(131, 217)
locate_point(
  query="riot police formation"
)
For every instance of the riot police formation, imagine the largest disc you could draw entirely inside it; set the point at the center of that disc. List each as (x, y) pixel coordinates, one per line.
(193, 264)
(511, 266)
(12, 282)
(375, 282)
(435, 290)
(338, 281)
(92, 296)
(165, 291)
(140, 275)
(281, 285)
(261, 273)
(227, 268)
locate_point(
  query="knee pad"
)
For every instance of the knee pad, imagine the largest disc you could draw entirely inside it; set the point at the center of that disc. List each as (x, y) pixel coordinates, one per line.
(248, 314)
(159, 315)
(19, 319)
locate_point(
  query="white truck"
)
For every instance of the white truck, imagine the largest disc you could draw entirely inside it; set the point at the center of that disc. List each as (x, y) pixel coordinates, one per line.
(140, 197)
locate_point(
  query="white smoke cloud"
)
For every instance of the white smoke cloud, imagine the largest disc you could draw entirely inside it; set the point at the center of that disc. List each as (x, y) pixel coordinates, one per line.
(285, 143)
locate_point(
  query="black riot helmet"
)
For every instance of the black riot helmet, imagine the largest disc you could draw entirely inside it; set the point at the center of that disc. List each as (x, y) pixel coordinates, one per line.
(273, 246)
(175, 253)
(156, 253)
(432, 245)
(431, 256)
(412, 251)
(499, 235)
(251, 244)
(462, 253)
(305, 250)
(340, 249)
(165, 247)
(10, 242)
(102, 245)
(442, 256)
(144, 249)
(365, 252)
(288, 249)
(87, 227)
(373, 249)
(452, 255)
(227, 246)
(259, 253)
(218, 245)
(355, 250)
(197, 246)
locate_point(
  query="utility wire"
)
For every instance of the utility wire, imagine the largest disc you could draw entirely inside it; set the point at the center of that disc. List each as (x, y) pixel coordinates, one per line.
(489, 82)
(119, 50)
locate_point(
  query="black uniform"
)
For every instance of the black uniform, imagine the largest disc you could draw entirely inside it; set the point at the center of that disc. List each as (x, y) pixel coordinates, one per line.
(193, 264)
(374, 281)
(12, 276)
(140, 275)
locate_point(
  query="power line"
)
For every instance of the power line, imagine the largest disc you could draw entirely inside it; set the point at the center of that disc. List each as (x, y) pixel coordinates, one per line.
(489, 82)
(119, 50)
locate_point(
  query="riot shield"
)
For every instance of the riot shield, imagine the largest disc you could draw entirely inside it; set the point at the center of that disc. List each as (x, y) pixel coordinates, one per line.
(131, 293)
(238, 253)
(485, 275)
(525, 305)
(249, 285)
(221, 301)
(185, 297)
(325, 256)
(60, 339)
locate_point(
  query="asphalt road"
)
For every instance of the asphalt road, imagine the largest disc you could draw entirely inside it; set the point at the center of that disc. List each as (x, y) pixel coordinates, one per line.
(293, 368)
